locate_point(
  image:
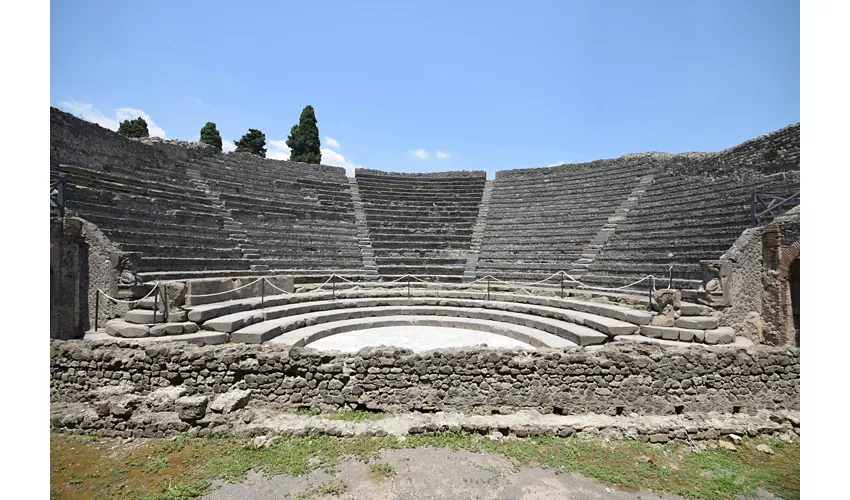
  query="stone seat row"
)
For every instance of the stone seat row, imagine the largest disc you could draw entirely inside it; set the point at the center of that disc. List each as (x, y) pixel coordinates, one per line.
(149, 203)
(300, 276)
(573, 174)
(566, 190)
(154, 201)
(96, 180)
(82, 174)
(110, 211)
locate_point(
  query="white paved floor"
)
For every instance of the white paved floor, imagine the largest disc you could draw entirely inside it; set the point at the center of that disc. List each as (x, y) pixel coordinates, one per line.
(416, 338)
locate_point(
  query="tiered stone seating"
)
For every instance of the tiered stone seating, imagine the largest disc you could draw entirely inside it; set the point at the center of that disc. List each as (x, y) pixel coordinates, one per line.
(540, 219)
(421, 224)
(140, 198)
(298, 217)
(679, 221)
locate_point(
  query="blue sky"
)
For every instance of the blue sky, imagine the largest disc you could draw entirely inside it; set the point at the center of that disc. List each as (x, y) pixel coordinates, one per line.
(434, 85)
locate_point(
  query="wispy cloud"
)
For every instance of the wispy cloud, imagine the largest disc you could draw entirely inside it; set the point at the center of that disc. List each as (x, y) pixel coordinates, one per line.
(420, 153)
(199, 101)
(443, 155)
(227, 146)
(331, 142)
(88, 112)
(331, 157)
(278, 150)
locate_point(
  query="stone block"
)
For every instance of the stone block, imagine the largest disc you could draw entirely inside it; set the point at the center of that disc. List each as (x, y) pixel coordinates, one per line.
(230, 401)
(163, 398)
(144, 316)
(697, 322)
(191, 408)
(121, 328)
(722, 335)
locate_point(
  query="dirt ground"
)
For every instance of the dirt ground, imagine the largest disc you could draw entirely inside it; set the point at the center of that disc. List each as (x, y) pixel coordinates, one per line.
(429, 473)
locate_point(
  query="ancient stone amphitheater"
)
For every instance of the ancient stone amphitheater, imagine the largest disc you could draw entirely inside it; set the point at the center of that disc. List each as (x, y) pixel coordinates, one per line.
(652, 283)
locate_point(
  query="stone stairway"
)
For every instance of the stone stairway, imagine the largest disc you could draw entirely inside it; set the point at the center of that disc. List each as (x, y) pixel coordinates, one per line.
(236, 235)
(469, 273)
(363, 239)
(589, 253)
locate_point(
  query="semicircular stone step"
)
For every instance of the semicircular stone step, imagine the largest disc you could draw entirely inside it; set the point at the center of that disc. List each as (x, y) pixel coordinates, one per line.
(232, 322)
(536, 338)
(269, 329)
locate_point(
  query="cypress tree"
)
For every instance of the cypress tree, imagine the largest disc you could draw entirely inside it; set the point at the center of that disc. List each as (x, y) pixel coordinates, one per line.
(304, 140)
(253, 142)
(134, 128)
(210, 135)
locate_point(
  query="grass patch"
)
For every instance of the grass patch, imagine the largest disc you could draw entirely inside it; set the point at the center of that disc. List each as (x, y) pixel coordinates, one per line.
(382, 471)
(86, 468)
(335, 486)
(355, 415)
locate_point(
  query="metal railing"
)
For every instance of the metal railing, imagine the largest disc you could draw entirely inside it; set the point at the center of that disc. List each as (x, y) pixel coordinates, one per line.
(58, 189)
(766, 206)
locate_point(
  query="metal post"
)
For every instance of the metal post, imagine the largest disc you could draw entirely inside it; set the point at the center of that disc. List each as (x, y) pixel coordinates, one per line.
(96, 310)
(649, 304)
(155, 303)
(488, 287)
(333, 286)
(408, 286)
(562, 284)
(263, 293)
(753, 216)
(670, 281)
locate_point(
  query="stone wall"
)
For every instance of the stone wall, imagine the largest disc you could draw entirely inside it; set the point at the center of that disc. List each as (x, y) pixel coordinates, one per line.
(77, 142)
(434, 175)
(81, 261)
(775, 152)
(760, 297)
(617, 379)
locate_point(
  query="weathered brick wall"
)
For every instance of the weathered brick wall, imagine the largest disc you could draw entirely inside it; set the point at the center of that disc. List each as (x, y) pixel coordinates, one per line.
(645, 379)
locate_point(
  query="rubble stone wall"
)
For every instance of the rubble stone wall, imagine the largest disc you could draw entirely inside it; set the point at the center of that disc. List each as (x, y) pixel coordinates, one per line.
(617, 379)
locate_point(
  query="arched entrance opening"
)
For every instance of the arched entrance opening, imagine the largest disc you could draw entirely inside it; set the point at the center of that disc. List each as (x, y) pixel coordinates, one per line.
(794, 285)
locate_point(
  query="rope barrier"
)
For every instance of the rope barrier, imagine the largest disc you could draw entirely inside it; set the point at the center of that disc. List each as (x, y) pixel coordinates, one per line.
(228, 291)
(276, 288)
(155, 287)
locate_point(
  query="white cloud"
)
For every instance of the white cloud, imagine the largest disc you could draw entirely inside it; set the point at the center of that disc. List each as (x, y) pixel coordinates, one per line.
(132, 113)
(420, 153)
(331, 157)
(227, 146)
(199, 101)
(330, 141)
(443, 155)
(88, 112)
(277, 150)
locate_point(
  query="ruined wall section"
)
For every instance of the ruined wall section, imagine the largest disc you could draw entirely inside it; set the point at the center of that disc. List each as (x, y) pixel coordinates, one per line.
(772, 153)
(81, 261)
(760, 300)
(640, 378)
(450, 174)
(77, 142)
